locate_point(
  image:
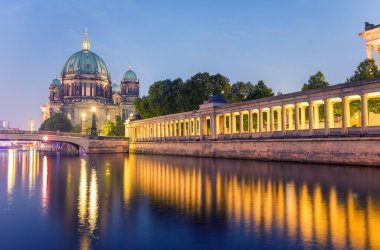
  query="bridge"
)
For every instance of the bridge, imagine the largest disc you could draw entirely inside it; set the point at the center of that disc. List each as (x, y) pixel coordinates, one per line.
(88, 144)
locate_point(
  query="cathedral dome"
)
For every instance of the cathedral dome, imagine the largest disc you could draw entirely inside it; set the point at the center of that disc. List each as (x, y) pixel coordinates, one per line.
(85, 62)
(115, 88)
(55, 82)
(130, 76)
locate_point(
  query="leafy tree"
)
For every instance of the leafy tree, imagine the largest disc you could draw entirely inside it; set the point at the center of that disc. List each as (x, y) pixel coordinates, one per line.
(108, 128)
(57, 122)
(365, 71)
(119, 127)
(240, 91)
(194, 92)
(218, 85)
(260, 90)
(316, 81)
(142, 107)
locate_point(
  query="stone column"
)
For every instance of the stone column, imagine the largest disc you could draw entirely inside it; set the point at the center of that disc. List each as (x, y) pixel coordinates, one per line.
(213, 126)
(303, 117)
(283, 122)
(250, 123)
(316, 116)
(260, 122)
(369, 51)
(364, 111)
(241, 123)
(345, 115)
(311, 115)
(297, 116)
(201, 132)
(378, 56)
(231, 123)
(189, 128)
(271, 119)
(291, 118)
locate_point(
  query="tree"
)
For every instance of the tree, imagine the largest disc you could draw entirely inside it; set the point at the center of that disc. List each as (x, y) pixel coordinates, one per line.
(218, 85)
(194, 92)
(316, 81)
(365, 71)
(260, 90)
(57, 122)
(119, 126)
(108, 128)
(240, 91)
(142, 107)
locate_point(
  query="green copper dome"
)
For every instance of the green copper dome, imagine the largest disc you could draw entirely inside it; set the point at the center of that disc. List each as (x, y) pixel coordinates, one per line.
(130, 76)
(115, 88)
(56, 82)
(85, 62)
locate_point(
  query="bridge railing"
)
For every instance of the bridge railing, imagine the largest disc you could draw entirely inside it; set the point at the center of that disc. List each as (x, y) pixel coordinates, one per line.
(58, 133)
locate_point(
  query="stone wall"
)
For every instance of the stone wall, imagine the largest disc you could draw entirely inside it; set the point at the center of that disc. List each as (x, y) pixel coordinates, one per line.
(354, 151)
(108, 146)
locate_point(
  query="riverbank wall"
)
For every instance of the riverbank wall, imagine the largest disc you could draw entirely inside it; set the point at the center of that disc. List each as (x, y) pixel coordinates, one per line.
(352, 151)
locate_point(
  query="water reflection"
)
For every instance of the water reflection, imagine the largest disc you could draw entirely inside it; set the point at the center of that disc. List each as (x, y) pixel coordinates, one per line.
(96, 200)
(11, 174)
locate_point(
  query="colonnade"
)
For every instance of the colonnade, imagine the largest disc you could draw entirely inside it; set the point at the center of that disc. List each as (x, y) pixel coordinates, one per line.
(279, 116)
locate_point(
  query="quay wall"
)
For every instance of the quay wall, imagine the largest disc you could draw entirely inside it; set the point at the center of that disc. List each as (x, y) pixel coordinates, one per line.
(345, 150)
(107, 146)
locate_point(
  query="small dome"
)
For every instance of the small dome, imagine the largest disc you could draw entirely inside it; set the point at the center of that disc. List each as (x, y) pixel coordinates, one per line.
(130, 76)
(115, 88)
(216, 99)
(134, 117)
(55, 82)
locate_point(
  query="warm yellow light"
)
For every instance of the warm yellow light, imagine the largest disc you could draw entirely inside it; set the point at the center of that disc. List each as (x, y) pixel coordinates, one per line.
(83, 115)
(93, 109)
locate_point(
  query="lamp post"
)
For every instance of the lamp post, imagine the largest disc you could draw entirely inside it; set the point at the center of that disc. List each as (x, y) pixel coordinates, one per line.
(84, 123)
(94, 132)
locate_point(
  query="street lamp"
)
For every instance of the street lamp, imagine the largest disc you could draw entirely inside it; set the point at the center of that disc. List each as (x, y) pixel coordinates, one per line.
(94, 131)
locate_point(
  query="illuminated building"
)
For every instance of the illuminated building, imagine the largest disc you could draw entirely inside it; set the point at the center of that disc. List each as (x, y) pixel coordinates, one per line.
(84, 84)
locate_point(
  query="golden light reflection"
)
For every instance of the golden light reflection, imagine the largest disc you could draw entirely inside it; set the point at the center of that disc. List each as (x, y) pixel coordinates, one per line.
(93, 202)
(261, 205)
(32, 171)
(45, 185)
(82, 199)
(11, 177)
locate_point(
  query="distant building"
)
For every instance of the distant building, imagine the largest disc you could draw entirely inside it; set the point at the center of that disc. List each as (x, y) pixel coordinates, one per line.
(4, 125)
(85, 86)
(32, 125)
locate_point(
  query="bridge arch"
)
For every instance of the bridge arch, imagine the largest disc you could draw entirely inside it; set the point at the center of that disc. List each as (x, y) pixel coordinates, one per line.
(77, 140)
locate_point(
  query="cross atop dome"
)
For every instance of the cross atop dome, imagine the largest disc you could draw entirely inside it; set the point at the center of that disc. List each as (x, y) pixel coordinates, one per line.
(86, 43)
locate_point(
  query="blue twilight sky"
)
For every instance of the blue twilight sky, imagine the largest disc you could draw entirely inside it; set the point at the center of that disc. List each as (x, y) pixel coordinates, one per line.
(281, 42)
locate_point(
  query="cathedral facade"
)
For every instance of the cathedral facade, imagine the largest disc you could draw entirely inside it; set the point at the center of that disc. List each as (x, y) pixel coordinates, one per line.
(85, 87)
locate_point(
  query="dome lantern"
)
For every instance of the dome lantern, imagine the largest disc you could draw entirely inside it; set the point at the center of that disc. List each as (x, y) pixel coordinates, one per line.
(86, 43)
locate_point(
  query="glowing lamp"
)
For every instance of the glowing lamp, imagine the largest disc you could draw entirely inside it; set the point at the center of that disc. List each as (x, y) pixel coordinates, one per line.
(45, 138)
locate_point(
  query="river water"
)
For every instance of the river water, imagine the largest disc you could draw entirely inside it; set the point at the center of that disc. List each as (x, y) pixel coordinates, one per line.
(166, 202)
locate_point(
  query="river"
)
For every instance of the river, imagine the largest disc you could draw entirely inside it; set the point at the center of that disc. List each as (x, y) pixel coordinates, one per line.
(121, 201)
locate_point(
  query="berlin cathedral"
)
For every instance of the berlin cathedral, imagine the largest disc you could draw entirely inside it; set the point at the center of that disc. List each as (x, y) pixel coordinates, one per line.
(85, 87)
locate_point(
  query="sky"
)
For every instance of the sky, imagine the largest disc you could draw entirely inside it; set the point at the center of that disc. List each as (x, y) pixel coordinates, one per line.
(280, 42)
